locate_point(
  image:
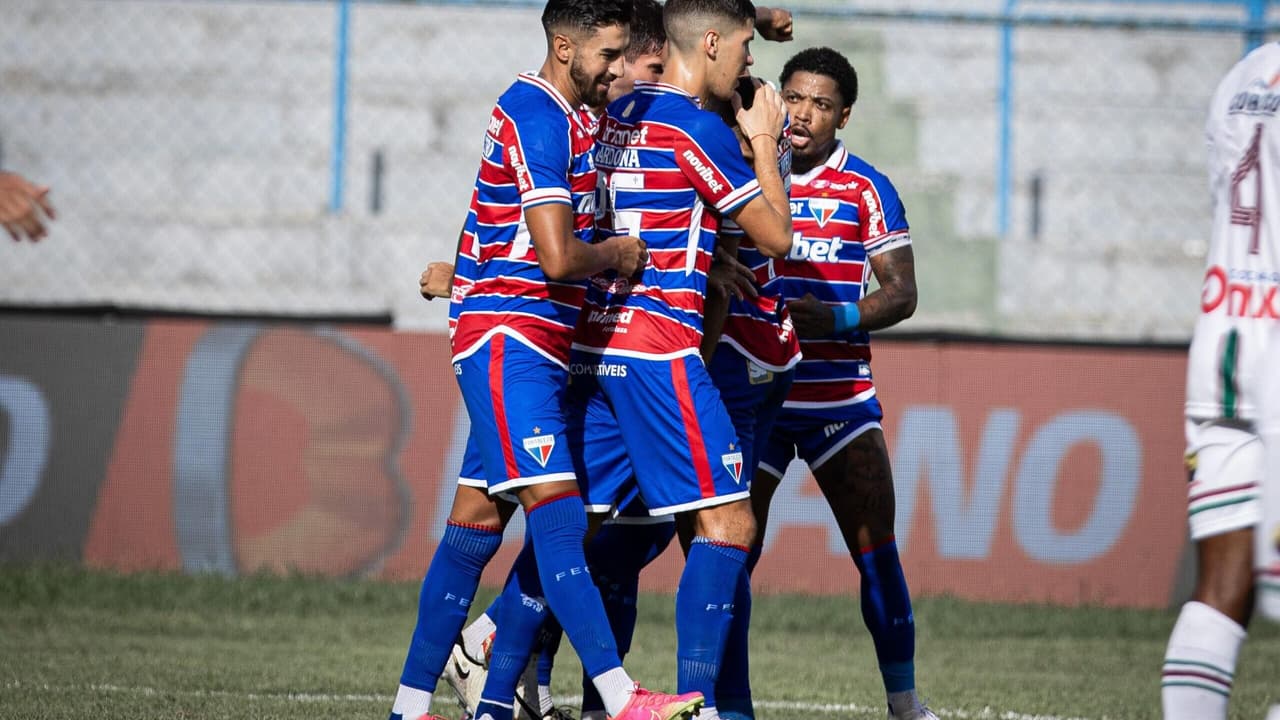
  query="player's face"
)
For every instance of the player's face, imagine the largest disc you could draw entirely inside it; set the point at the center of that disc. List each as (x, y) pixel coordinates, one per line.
(646, 68)
(732, 61)
(597, 62)
(814, 103)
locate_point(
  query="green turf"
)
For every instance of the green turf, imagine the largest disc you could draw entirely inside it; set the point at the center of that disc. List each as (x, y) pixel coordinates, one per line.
(83, 645)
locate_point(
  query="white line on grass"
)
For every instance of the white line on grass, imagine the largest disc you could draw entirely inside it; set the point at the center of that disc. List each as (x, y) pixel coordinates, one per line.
(986, 713)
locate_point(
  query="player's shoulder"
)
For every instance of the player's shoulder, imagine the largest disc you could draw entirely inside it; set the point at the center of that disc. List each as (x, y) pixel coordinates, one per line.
(861, 171)
(531, 99)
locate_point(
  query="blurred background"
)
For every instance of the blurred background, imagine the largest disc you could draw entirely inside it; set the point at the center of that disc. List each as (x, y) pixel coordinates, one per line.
(220, 361)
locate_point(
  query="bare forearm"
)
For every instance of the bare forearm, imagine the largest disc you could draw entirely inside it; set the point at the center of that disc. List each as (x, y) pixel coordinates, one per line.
(895, 299)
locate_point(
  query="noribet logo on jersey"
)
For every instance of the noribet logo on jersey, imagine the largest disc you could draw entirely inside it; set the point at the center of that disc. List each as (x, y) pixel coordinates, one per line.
(815, 250)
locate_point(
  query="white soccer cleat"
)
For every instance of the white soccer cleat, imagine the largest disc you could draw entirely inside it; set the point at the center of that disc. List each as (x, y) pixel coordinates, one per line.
(909, 707)
(466, 675)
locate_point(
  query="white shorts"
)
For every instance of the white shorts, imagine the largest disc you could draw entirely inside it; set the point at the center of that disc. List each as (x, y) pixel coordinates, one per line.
(1225, 459)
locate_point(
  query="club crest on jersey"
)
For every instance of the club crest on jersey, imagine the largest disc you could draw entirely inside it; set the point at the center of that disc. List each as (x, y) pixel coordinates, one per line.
(823, 209)
(733, 463)
(540, 447)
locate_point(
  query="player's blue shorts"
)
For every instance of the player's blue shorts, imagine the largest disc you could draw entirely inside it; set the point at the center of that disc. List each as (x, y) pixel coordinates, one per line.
(659, 420)
(817, 434)
(752, 396)
(515, 397)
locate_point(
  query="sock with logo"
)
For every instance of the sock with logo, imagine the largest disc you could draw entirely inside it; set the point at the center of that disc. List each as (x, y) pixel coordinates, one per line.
(733, 688)
(704, 610)
(558, 527)
(1200, 664)
(447, 589)
(521, 614)
(886, 610)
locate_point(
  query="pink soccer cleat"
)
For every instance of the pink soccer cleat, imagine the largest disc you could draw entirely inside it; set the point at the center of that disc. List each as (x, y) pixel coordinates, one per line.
(647, 705)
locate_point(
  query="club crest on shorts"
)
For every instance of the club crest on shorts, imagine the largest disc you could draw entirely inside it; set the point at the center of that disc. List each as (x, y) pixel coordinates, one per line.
(540, 447)
(733, 463)
(758, 375)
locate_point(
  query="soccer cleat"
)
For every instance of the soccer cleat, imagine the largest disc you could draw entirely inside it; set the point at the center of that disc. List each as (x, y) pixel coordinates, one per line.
(466, 675)
(559, 713)
(915, 711)
(646, 705)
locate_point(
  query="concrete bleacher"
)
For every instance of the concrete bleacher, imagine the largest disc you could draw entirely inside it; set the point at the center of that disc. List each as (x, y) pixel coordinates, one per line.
(189, 145)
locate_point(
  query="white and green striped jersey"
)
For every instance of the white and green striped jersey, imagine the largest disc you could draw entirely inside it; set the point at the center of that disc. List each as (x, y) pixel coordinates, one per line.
(1240, 297)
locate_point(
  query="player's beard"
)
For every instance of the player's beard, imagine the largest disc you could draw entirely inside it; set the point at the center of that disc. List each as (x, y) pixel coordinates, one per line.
(588, 92)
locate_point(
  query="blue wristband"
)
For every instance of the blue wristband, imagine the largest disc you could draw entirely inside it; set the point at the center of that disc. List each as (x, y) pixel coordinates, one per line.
(847, 317)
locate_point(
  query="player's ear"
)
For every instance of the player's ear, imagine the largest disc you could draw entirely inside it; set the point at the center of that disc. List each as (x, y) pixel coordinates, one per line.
(711, 43)
(844, 117)
(562, 47)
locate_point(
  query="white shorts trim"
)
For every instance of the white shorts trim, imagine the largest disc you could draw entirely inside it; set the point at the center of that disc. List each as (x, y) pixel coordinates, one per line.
(1225, 458)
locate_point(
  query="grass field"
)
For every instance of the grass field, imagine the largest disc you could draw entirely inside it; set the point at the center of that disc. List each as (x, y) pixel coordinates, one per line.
(89, 645)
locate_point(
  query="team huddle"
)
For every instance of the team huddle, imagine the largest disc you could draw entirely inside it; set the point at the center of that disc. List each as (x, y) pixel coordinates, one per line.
(660, 298)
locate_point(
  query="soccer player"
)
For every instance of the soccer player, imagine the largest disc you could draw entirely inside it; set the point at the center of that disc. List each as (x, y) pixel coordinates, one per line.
(1226, 364)
(533, 215)
(850, 224)
(670, 172)
(24, 207)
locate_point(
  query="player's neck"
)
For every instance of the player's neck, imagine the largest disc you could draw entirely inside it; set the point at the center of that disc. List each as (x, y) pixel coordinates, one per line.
(558, 75)
(800, 166)
(682, 74)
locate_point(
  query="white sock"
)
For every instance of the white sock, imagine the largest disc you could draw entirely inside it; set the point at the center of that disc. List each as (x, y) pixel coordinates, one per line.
(1273, 715)
(1200, 664)
(411, 703)
(707, 713)
(615, 687)
(544, 699)
(475, 635)
(599, 715)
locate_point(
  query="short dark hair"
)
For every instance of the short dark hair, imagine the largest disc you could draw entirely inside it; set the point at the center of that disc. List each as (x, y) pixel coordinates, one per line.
(585, 15)
(677, 14)
(647, 34)
(825, 61)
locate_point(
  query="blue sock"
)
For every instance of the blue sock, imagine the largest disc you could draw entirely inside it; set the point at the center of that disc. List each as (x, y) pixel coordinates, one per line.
(447, 591)
(704, 609)
(733, 688)
(886, 610)
(522, 609)
(548, 645)
(558, 527)
(617, 554)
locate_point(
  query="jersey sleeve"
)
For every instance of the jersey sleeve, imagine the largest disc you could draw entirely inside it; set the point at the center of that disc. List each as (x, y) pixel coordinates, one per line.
(710, 157)
(884, 225)
(537, 154)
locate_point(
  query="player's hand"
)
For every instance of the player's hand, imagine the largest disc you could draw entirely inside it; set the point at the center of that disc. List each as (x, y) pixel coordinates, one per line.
(631, 254)
(730, 277)
(811, 317)
(774, 24)
(766, 116)
(436, 281)
(24, 207)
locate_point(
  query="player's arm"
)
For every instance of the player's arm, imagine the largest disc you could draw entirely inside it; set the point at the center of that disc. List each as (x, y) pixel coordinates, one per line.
(24, 207)
(437, 280)
(766, 217)
(563, 256)
(887, 305)
(727, 279)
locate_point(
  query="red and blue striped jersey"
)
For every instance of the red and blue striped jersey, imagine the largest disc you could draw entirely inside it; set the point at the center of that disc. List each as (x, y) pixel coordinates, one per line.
(760, 327)
(668, 171)
(537, 150)
(842, 213)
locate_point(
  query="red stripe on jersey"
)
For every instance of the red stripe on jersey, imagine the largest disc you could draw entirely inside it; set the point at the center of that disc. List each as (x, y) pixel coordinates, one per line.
(834, 350)
(827, 391)
(633, 330)
(674, 259)
(703, 174)
(848, 272)
(496, 385)
(692, 430)
(551, 337)
(498, 214)
(508, 285)
(766, 342)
